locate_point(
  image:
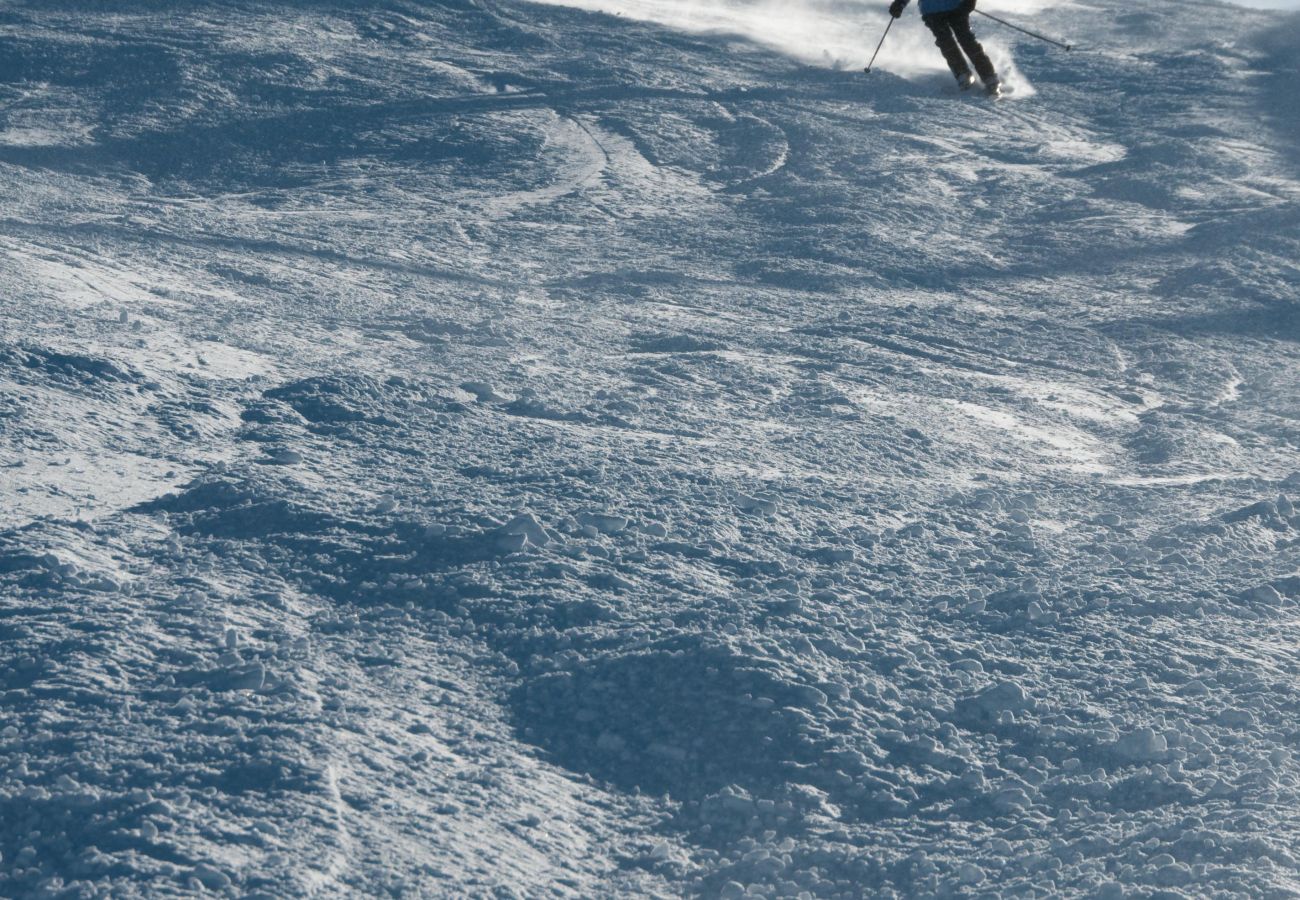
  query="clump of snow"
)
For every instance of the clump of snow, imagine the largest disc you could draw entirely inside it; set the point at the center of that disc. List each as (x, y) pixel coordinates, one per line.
(604, 523)
(1142, 745)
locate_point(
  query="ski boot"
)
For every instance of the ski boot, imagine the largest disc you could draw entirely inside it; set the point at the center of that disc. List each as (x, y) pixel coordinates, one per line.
(993, 87)
(965, 81)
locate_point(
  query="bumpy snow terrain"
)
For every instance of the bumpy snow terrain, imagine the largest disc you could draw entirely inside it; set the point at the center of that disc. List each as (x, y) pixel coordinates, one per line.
(486, 449)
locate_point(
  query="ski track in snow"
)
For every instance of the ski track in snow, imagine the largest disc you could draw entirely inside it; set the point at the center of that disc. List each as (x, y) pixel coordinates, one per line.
(497, 449)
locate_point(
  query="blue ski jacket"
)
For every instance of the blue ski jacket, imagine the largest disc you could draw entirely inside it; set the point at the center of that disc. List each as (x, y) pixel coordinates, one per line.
(931, 7)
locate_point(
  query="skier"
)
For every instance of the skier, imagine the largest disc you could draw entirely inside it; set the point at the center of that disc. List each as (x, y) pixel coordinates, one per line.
(950, 22)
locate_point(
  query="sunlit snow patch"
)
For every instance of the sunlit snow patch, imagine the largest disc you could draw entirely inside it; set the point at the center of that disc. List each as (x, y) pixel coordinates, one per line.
(44, 116)
(1073, 449)
(820, 32)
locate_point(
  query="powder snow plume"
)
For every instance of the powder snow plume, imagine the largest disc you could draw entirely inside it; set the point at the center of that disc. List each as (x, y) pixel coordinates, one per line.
(819, 32)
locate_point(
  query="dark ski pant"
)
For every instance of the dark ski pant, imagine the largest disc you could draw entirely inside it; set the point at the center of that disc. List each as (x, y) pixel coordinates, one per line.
(952, 34)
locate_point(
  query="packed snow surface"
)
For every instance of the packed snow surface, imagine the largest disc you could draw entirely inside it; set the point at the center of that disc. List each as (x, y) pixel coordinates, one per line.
(480, 448)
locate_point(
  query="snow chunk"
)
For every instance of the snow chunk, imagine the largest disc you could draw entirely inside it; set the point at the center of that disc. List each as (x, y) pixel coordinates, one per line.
(605, 523)
(1142, 745)
(483, 392)
(283, 456)
(1173, 874)
(526, 524)
(654, 529)
(1263, 595)
(211, 878)
(239, 677)
(1005, 695)
(1236, 718)
(1264, 509)
(763, 506)
(1011, 800)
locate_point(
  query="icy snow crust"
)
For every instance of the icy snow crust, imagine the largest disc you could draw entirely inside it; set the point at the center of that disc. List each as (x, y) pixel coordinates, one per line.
(486, 449)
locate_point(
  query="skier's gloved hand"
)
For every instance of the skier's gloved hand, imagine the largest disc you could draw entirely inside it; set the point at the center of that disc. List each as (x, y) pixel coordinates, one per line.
(896, 8)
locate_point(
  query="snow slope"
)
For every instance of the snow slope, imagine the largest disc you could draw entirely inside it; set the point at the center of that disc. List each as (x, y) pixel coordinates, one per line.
(477, 448)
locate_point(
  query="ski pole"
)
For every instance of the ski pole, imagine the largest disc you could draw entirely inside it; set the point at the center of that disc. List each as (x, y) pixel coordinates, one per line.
(878, 46)
(1022, 30)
